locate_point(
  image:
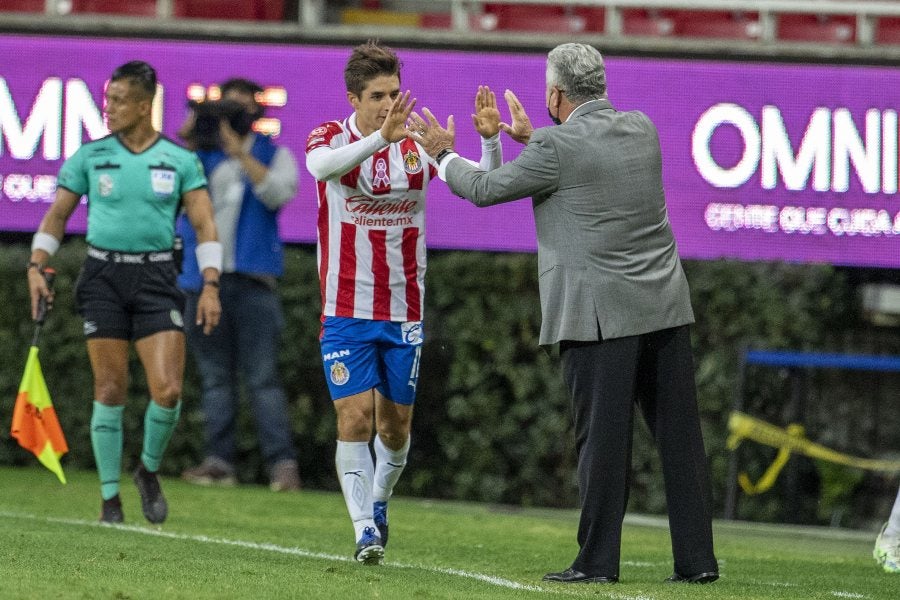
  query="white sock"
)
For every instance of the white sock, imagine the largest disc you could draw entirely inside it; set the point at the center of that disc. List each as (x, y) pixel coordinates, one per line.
(893, 528)
(355, 470)
(388, 466)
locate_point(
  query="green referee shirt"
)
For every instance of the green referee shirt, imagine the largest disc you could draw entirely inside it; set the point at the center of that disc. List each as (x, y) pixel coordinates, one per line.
(133, 199)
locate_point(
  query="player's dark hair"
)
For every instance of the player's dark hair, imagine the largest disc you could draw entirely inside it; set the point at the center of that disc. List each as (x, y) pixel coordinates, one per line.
(139, 74)
(368, 61)
(241, 86)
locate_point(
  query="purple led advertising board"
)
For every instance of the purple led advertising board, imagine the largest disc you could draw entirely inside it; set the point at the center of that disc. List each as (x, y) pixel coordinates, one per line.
(761, 161)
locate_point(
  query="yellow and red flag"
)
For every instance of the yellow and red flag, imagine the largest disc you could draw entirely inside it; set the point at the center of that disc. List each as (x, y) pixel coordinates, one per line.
(34, 421)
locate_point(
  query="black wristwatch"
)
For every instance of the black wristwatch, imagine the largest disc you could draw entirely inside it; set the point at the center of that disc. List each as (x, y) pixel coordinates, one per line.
(442, 155)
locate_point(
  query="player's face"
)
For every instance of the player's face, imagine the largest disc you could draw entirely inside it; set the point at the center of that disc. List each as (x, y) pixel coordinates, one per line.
(373, 104)
(125, 106)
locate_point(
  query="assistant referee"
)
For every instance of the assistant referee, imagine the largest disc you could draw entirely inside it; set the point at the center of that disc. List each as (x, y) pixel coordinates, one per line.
(135, 180)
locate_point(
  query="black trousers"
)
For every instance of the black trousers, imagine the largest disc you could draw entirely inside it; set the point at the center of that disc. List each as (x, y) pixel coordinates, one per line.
(605, 380)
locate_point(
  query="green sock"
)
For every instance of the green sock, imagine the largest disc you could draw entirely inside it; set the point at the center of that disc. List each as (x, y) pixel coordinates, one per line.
(159, 423)
(106, 439)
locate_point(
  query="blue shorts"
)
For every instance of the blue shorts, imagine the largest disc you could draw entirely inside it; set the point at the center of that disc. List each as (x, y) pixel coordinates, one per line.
(359, 354)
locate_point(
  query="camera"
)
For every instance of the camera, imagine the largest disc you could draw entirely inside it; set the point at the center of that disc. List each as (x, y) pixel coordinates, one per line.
(209, 114)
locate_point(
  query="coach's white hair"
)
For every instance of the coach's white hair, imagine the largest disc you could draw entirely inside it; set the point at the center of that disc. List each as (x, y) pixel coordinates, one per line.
(577, 70)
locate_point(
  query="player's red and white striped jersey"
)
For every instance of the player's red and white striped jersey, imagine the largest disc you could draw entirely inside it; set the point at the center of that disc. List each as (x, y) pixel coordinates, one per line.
(371, 229)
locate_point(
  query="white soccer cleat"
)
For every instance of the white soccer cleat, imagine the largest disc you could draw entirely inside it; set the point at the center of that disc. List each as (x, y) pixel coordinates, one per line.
(887, 552)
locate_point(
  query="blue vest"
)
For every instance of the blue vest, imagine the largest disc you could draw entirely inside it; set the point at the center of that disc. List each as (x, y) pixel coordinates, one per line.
(257, 246)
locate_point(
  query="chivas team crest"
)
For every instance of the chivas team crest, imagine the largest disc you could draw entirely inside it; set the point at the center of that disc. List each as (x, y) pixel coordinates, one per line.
(340, 374)
(412, 164)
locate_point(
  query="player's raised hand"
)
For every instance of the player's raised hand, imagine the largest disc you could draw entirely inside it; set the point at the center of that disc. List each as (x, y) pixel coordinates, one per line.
(394, 127)
(486, 118)
(521, 129)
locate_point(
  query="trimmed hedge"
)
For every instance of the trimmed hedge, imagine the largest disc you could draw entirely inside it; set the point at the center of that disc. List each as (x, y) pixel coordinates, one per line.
(492, 419)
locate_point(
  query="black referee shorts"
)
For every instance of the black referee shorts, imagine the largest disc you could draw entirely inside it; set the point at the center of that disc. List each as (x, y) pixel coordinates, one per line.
(129, 296)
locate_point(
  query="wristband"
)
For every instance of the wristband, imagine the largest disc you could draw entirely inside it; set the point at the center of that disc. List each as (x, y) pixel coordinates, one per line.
(209, 256)
(46, 242)
(34, 265)
(211, 283)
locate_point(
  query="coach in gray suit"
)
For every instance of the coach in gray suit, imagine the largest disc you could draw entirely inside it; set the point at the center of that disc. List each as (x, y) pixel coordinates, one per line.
(613, 295)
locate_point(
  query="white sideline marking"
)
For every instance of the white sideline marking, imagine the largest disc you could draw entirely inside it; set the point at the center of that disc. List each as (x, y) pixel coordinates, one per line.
(498, 581)
(268, 547)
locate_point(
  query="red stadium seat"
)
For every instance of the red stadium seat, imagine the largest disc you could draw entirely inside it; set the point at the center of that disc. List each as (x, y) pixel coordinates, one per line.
(436, 20)
(239, 10)
(444, 20)
(717, 24)
(270, 10)
(654, 23)
(546, 23)
(116, 7)
(594, 18)
(837, 29)
(32, 6)
(523, 10)
(888, 30)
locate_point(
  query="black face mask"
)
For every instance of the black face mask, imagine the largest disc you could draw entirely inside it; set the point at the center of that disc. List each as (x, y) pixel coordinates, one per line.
(555, 120)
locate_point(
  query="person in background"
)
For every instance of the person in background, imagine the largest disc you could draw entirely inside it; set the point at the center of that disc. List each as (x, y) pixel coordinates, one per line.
(250, 179)
(372, 181)
(887, 544)
(613, 295)
(135, 180)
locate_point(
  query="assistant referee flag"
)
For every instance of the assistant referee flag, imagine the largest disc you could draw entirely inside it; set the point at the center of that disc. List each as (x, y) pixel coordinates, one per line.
(34, 421)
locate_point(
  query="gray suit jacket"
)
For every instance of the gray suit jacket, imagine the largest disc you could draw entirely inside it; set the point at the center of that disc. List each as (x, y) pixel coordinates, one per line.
(607, 260)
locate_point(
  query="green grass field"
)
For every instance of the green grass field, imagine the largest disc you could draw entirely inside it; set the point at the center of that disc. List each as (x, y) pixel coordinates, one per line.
(251, 543)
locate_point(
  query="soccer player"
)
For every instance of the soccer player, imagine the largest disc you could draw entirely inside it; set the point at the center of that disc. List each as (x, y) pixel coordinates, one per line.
(887, 545)
(372, 180)
(135, 180)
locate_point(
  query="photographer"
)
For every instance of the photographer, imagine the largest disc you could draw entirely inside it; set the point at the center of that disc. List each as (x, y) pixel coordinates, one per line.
(250, 179)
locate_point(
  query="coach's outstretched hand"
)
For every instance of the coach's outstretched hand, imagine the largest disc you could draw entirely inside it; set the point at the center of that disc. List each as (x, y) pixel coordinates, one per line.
(429, 133)
(521, 129)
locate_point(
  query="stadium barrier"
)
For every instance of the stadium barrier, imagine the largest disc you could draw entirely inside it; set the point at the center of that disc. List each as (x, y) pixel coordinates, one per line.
(791, 439)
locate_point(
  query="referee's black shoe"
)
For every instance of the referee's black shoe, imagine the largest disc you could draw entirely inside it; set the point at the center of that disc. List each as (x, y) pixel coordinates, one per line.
(111, 510)
(153, 503)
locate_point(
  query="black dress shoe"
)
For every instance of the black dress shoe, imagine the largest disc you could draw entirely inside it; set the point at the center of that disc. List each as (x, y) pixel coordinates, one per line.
(707, 577)
(572, 576)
